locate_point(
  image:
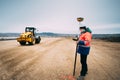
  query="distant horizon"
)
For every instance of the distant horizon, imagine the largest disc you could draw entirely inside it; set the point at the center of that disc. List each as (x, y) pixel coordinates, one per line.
(53, 33)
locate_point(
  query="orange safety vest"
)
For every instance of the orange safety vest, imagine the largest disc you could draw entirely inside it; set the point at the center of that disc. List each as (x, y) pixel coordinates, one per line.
(86, 37)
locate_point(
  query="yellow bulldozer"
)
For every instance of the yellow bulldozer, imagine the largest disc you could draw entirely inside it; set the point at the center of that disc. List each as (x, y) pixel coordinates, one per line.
(29, 36)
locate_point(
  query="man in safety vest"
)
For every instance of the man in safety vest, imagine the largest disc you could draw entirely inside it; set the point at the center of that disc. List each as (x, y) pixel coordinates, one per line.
(84, 48)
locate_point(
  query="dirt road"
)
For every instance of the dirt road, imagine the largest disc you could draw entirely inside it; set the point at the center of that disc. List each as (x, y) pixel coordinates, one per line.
(53, 59)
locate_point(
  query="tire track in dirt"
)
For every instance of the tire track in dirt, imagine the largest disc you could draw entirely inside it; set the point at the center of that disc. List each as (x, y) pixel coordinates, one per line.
(12, 63)
(57, 58)
(106, 62)
(54, 58)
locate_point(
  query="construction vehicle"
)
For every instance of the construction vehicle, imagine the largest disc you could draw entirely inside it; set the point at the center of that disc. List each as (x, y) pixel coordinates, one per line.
(29, 36)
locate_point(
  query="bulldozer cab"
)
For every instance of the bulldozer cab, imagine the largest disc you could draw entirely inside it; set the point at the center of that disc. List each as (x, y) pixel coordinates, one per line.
(30, 29)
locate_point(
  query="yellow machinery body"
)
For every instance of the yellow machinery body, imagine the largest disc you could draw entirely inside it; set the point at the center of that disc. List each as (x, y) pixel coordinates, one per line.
(26, 37)
(29, 36)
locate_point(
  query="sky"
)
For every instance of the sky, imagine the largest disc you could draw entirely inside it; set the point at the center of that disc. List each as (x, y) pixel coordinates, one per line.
(60, 16)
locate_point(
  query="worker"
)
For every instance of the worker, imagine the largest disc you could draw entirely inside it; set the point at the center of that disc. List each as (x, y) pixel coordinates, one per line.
(84, 48)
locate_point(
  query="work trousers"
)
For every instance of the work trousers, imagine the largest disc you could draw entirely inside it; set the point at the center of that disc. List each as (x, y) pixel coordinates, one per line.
(83, 60)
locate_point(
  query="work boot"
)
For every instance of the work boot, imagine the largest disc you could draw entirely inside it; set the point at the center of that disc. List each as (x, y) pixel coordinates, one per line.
(80, 78)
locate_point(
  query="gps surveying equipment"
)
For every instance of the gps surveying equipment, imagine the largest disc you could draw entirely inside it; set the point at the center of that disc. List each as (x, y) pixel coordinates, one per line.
(29, 36)
(80, 19)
